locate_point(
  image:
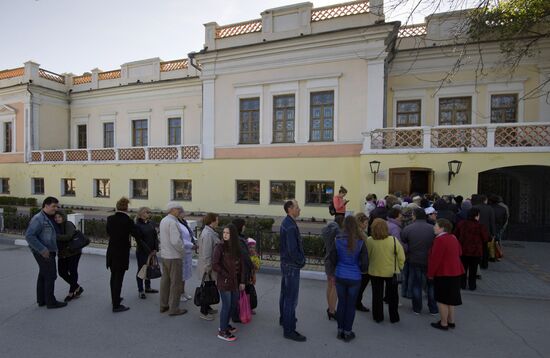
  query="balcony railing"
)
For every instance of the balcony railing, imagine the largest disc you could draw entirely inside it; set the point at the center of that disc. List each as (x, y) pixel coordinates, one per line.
(179, 153)
(490, 137)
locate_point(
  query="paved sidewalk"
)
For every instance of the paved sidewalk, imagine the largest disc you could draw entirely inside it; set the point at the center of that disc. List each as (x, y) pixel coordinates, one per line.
(487, 325)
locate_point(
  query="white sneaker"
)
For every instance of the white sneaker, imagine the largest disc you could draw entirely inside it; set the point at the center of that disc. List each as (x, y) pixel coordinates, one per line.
(207, 317)
(187, 296)
(184, 298)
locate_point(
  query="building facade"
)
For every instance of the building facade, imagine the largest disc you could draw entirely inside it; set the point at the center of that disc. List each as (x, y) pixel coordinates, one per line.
(294, 104)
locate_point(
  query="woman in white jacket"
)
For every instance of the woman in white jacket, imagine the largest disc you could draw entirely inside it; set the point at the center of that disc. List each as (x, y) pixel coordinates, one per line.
(207, 241)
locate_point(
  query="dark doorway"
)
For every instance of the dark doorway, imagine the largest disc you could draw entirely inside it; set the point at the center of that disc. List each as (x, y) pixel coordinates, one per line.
(411, 180)
(525, 189)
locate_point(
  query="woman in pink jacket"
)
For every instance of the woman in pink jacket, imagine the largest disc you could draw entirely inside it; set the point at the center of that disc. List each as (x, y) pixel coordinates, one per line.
(340, 203)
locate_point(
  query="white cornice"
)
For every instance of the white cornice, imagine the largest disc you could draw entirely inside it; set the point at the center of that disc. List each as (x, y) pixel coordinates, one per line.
(422, 85)
(288, 79)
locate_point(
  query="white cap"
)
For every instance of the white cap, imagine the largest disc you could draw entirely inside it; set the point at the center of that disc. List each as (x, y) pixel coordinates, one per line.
(430, 211)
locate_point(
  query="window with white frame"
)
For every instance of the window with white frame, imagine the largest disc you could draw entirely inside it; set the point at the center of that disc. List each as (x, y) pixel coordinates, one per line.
(139, 133)
(68, 187)
(102, 188)
(284, 108)
(281, 190)
(319, 192)
(321, 126)
(504, 108)
(249, 120)
(182, 189)
(108, 135)
(139, 188)
(455, 111)
(174, 131)
(82, 136)
(8, 137)
(4, 185)
(408, 113)
(248, 191)
(37, 185)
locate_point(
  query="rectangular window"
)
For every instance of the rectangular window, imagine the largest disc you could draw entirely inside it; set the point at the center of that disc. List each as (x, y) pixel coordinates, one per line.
(283, 119)
(4, 185)
(181, 190)
(108, 135)
(38, 186)
(102, 188)
(82, 137)
(321, 126)
(408, 113)
(140, 188)
(249, 121)
(8, 139)
(504, 108)
(455, 111)
(319, 192)
(282, 191)
(139, 133)
(174, 131)
(248, 191)
(68, 186)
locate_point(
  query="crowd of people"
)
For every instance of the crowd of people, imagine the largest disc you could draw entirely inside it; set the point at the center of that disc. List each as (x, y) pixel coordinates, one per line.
(401, 245)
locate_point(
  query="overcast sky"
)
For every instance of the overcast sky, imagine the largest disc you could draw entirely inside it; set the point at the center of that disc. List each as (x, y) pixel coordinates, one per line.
(79, 35)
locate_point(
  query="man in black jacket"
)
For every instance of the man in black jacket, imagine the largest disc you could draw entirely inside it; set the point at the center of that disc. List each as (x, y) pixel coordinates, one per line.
(119, 228)
(486, 218)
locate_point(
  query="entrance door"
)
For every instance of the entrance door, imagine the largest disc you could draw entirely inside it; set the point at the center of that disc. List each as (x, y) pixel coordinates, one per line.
(525, 190)
(411, 180)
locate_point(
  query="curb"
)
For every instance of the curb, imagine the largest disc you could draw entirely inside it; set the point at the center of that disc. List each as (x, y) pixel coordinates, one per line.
(270, 270)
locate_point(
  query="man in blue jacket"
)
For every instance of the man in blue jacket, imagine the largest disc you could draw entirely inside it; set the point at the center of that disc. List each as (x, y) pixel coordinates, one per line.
(292, 260)
(42, 238)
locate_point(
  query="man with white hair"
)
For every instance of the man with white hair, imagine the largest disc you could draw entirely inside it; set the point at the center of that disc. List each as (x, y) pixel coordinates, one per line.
(172, 253)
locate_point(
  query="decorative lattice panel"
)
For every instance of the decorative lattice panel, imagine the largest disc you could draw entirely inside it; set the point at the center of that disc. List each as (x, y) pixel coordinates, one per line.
(173, 65)
(16, 72)
(109, 75)
(523, 136)
(192, 152)
(53, 156)
(412, 30)
(103, 154)
(396, 138)
(51, 76)
(347, 9)
(77, 155)
(79, 80)
(131, 154)
(36, 156)
(239, 29)
(163, 153)
(470, 137)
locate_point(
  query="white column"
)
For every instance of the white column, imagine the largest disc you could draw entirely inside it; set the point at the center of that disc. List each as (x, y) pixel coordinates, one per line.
(208, 117)
(375, 94)
(426, 137)
(544, 115)
(2, 136)
(491, 129)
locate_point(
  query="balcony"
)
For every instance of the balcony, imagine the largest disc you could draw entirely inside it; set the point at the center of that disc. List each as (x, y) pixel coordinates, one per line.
(531, 137)
(171, 154)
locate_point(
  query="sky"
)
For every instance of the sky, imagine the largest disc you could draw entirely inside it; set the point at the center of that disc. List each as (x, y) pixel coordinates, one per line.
(78, 35)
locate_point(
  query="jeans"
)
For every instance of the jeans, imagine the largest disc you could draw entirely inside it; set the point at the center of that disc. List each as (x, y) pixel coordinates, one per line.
(45, 283)
(377, 298)
(364, 282)
(68, 270)
(288, 300)
(470, 271)
(418, 274)
(347, 296)
(406, 284)
(142, 260)
(229, 305)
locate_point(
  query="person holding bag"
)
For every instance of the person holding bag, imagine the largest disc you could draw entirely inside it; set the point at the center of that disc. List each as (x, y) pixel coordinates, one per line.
(149, 244)
(227, 261)
(208, 240)
(67, 263)
(386, 259)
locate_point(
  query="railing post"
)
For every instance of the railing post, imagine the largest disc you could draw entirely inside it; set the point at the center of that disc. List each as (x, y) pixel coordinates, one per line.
(116, 153)
(491, 129)
(89, 151)
(367, 142)
(146, 153)
(180, 150)
(426, 137)
(64, 155)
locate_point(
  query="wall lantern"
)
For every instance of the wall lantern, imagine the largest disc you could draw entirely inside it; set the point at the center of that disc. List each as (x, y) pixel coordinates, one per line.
(454, 168)
(374, 168)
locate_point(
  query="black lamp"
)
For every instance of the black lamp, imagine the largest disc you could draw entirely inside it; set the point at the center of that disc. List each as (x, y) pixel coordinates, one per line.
(454, 168)
(374, 168)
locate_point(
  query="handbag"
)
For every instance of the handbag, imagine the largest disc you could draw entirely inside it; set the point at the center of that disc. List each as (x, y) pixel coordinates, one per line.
(397, 277)
(207, 293)
(253, 297)
(498, 250)
(245, 312)
(142, 273)
(153, 267)
(79, 241)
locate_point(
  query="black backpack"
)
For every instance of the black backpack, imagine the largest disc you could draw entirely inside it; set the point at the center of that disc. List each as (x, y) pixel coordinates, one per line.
(331, 208)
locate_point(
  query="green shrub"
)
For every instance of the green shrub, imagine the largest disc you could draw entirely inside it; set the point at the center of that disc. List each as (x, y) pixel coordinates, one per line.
(33, 211)
(96, 228)
(12, 200)
(313, 246)
(9, 209)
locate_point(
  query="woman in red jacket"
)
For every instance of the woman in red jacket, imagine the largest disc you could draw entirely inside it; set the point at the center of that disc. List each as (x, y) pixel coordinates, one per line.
(445, 269)
(472, 236)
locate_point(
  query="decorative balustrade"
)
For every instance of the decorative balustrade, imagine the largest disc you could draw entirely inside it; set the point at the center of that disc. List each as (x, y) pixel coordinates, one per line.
(181, 153)
(15, 72)
(51, 76)
(412, 30)
(167, 66)
(240, 28)
(490, 137)
(108, 75)
(80, 80)
(334, 11)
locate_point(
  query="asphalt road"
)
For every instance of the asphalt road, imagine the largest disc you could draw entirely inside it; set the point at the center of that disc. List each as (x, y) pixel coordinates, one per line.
(487, 326)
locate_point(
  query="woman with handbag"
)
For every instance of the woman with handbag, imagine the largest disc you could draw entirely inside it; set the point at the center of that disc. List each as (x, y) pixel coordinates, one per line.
(188, 245)
(227, 261)
(348, 258)
(446, 270)
(386, 259)
(147, 245)
(208, 239)
(67, 262)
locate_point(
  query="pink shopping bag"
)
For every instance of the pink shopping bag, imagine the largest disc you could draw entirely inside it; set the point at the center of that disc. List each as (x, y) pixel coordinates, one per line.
(245, 312)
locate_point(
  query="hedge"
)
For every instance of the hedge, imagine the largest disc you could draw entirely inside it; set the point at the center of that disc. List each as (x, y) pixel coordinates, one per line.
(9, 209)
(12, 200)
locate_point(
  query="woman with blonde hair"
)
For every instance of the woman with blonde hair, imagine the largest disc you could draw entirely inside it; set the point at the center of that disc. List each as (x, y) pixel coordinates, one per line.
(386, 259)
